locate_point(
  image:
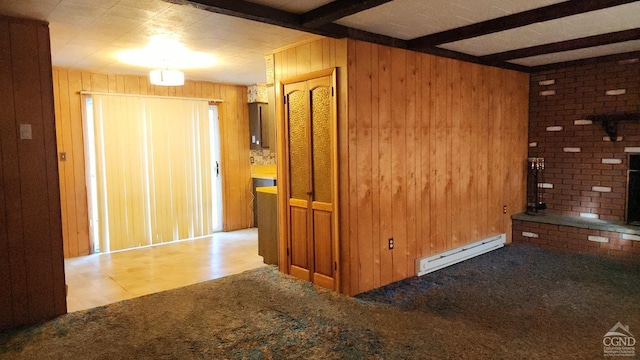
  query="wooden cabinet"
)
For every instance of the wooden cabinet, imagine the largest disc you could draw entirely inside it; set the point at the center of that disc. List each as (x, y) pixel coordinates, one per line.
(268, 225)
(259, 182)
(259, 126)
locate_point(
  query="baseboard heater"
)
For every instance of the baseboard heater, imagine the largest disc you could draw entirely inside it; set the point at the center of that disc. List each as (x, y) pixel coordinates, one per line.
(454, 256)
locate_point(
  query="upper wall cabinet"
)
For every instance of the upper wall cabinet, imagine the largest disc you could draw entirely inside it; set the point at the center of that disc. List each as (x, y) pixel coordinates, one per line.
(259, 126)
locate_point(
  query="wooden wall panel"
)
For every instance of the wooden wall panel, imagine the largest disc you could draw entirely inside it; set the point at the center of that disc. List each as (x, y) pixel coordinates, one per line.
(32, 281)
(436, 147)
(32, 160)
(430, 150)
(384, 157)
(7, 185)
(234, 129)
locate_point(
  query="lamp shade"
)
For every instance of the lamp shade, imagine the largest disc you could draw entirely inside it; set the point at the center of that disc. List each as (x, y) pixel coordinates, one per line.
(166, 77)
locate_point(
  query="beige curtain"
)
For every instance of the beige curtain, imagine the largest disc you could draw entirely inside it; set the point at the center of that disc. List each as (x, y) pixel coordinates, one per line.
(153, 169)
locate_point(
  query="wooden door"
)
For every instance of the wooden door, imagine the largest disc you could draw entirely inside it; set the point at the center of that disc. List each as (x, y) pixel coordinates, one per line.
(310, 139)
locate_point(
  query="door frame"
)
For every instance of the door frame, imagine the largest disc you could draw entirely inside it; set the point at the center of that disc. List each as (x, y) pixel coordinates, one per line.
(283, 174)
(216, 149)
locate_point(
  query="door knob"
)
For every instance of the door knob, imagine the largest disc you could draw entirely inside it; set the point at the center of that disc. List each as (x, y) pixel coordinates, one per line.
(309, 192)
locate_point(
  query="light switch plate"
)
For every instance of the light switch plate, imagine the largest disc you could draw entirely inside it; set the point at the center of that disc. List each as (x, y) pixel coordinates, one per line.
(25, 132)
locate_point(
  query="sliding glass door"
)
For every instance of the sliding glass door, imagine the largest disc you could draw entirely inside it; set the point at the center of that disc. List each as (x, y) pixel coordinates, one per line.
(153, 166)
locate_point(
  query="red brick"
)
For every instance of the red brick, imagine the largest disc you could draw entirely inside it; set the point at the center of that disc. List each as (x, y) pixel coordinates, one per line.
(580, 249)
(632, 249)
(623, 254)
(611, 234)
(610, 246)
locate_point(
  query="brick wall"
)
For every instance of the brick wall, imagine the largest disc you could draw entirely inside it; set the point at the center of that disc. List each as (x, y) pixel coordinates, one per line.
(583, 183)
(577, 240)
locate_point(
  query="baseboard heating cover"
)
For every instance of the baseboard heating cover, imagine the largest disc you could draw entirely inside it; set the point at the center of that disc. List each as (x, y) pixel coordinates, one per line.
(436, 262)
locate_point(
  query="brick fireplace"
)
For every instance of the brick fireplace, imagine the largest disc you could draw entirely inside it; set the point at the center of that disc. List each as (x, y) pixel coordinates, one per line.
(586, 173)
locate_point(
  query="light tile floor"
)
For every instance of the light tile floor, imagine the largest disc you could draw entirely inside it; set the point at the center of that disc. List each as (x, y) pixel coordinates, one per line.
(102, 279)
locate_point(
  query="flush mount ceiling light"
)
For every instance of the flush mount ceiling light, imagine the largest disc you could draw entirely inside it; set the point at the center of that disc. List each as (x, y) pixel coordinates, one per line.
(166, 54)
(166, 77)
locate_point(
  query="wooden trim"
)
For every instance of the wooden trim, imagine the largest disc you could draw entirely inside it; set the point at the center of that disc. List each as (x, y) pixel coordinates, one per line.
(324, 281)
(581, 43)
(211, 101)
(298, 203)
(336, 183)
(87, 172)
(295, 45)
(450, 54)
(555, 11)
(337, 10)
(23, 20)
(305, 77)
(322, 206)
(250, 11)
(310, 220)
(299, 272)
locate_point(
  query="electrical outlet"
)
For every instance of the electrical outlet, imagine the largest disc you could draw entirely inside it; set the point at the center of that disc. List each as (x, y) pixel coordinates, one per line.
(251, 160)
(504, 209)
(390, 243)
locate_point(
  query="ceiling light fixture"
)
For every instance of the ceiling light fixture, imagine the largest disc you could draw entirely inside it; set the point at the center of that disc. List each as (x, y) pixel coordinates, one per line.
(165, 51)
(166, 77)
(166, 54)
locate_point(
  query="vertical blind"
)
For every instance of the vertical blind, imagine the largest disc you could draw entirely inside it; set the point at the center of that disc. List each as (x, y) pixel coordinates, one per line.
(153, 169)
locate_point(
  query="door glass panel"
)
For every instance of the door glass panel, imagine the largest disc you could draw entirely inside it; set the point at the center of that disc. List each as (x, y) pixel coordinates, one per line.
(298, 158)
(321, 132)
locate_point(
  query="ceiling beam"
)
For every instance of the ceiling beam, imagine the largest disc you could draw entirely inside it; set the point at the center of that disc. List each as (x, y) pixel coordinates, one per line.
(251, 11)
(574, 44)
(256, 12)
(337, 10)
(472, 59)
(265, 14)
(589, 61)
(529, 17)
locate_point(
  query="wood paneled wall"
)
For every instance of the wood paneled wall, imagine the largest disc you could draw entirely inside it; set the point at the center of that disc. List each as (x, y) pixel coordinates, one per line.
(436, 148)
(430, 150)
(234, 132)
(32, 285)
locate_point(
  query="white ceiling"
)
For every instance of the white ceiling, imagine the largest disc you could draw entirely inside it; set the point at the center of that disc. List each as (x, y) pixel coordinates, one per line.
(595, 51)
(409, 19)
(88, 34)
(617, 18)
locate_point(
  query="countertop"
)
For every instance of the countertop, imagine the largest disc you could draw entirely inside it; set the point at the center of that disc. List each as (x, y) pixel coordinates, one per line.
(266, 172)
(267, 189)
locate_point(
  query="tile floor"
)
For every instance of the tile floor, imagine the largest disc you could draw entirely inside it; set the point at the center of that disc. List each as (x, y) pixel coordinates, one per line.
(102, 279)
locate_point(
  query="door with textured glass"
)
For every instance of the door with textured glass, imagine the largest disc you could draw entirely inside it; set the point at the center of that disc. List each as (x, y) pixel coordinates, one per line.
(310, 140)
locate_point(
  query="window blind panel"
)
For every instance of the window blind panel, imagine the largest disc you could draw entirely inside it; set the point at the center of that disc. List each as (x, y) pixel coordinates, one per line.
(154, 170)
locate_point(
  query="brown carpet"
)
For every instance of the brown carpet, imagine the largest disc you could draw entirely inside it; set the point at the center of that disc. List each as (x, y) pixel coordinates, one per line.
(518, 302)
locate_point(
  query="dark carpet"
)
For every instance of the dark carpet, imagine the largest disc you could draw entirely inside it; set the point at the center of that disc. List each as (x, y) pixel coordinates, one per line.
(518, 302)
